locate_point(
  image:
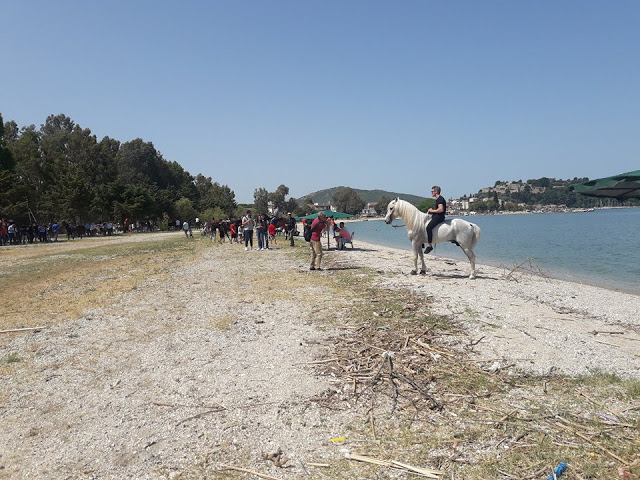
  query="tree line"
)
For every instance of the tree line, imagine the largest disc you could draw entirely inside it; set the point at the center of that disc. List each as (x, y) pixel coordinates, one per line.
(61, 171)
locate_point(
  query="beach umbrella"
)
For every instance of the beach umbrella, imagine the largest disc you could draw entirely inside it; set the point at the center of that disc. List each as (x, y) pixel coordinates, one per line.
(328, 213)
(622, 187)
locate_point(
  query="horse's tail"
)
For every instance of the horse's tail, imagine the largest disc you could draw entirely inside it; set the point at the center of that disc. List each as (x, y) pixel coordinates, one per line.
(476, 235)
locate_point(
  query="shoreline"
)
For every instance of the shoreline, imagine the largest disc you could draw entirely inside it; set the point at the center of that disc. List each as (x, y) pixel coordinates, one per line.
(555, 275)
(622, 281)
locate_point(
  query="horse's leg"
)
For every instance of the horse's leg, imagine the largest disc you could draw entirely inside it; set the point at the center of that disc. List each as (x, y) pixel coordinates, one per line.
(416, 249)
(472, 259)
(423, 270)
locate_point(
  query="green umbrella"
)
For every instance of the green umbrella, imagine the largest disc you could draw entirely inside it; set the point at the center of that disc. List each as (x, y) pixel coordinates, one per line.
(328, 213)
(622, 187)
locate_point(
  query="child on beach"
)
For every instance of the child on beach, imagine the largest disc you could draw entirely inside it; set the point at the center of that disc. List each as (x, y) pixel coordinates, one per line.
(272, 233)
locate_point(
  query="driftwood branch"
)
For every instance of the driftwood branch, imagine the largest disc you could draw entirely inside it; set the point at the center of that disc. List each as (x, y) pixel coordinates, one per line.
(427, 472)
(592, 442)
(529, 267)
(13, 330)
(202, 414)
(257, 474)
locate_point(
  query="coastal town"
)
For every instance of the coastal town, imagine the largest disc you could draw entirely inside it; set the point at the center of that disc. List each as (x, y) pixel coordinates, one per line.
(533, 196)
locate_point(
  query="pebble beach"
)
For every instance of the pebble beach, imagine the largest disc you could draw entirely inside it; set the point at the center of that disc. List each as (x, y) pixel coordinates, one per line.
(190, 372)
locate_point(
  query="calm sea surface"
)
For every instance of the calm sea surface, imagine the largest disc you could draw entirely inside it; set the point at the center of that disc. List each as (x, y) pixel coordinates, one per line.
(598, 248)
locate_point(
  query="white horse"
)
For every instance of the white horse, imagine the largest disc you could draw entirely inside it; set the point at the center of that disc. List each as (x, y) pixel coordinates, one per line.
(455, 230)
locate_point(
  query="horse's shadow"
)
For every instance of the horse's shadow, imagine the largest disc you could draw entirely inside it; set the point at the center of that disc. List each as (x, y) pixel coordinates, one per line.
(460, 275)
(355, 249)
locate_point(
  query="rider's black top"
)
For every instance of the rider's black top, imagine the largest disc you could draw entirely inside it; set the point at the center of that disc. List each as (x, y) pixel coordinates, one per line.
(439, 217)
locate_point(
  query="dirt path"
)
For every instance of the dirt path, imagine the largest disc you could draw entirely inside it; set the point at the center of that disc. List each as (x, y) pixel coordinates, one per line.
(205, 368)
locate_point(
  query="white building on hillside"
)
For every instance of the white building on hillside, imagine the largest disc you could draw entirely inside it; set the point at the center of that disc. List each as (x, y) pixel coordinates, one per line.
(369, 210)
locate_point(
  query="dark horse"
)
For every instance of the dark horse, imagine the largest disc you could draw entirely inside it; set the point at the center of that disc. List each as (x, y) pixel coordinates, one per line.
(281, 226)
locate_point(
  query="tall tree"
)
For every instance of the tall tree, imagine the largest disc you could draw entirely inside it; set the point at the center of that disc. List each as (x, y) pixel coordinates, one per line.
(213, 195)
(222, 197)
(7, 165)
(6, 158)
(291, 206)
(31, 177)
(105, 186)
(137, 162)
(277, 198)
(184, 210)
(426, 204)
(347, 200)
(383, 203)
(260, 199)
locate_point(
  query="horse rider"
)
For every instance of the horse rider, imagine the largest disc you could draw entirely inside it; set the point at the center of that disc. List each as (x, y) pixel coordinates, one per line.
(437, 216)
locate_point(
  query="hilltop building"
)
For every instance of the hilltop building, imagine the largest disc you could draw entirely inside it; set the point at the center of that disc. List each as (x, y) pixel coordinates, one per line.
(511, 187)
(369, 210)
(321, 207)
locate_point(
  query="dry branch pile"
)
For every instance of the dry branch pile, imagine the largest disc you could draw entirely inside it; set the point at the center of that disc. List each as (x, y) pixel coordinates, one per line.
(411, 371)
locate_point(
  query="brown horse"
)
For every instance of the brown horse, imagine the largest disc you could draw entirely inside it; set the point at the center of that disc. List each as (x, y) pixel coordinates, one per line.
(281, 226)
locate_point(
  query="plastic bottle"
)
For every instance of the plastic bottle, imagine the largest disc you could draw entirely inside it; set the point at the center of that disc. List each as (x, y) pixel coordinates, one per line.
(558, 471)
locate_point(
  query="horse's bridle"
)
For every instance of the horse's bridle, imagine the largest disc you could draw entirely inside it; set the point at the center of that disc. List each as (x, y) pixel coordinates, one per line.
(390, 214)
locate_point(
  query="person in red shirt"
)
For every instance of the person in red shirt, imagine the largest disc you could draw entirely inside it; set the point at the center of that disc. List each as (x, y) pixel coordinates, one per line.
(272, 233)
(317, 227)
(233, 230)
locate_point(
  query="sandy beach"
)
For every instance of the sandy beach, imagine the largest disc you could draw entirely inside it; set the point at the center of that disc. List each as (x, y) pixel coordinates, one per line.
(213, 363)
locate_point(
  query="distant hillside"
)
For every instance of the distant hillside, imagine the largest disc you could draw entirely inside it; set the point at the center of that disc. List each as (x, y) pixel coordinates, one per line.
(367, 196)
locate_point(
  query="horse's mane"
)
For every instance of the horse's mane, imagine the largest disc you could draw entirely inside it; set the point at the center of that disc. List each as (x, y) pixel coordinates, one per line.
(413, 218)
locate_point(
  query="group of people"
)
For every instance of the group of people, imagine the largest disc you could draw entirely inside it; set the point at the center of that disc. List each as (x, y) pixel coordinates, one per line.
(320, 224)
(242, 230)
(342, 236)
(266, 230)
(13, 234)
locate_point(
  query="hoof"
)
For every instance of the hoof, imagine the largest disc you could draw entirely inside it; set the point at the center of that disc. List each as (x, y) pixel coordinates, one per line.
(472, 277)
(423, 272)
(413, 272)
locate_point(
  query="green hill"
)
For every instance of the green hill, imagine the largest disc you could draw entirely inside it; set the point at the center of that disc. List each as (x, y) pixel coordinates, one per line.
(367, 196)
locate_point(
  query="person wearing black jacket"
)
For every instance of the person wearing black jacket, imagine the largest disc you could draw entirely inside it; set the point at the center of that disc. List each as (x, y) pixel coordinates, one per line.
(291, 226)
(437, 216)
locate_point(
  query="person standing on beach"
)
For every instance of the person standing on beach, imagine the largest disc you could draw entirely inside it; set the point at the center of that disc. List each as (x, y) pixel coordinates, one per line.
(247, 230)
(291, 225)
(213, 226)
(233, 230)
(437, 216)
(261, 230)
(222, 231)
(272, 233)
(317, 227)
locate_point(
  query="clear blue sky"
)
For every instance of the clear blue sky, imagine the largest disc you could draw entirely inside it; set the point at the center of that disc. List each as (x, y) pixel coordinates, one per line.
(393, 95)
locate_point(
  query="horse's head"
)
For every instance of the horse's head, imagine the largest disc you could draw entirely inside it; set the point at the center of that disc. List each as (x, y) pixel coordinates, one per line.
(391, 211)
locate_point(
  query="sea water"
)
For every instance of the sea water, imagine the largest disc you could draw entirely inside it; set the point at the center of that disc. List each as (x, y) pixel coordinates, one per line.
(600, 248)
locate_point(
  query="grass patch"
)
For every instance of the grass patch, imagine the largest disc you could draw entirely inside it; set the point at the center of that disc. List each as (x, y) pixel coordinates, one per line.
(63, 281)
(13, 358)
